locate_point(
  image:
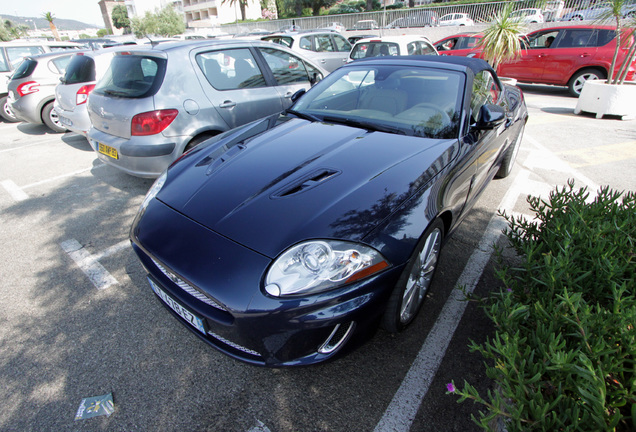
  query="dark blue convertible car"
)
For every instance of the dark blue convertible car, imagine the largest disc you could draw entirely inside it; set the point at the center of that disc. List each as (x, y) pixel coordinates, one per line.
(281, 241)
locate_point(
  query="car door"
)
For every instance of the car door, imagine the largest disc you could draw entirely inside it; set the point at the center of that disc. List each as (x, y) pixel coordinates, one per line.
(290, 72)
(236, 86)
(572, 50)
(487, 144)
(534, 58)
(331, 55)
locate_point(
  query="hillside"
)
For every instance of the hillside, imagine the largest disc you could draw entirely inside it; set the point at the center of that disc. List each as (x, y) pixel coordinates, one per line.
(42, 24)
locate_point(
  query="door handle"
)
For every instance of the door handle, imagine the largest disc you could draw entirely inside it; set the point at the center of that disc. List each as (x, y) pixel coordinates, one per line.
(288, 95)
(323, 61)
(228, 104)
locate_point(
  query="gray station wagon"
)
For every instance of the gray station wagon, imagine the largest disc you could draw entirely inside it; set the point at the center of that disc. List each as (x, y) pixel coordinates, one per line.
(152, 104)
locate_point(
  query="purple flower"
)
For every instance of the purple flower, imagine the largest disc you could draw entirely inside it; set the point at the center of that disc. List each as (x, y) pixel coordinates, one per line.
(450, 387)
(509, 290)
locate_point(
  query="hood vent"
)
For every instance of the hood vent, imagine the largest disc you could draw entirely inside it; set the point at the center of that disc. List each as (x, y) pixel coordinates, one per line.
(308, 182)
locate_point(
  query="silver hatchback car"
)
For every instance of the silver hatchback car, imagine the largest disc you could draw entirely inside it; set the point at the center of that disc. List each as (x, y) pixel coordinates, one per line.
(32, 88)
(79, 79)
(154, 103)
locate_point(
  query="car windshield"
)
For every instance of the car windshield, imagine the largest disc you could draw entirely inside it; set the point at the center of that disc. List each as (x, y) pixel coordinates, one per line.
(132, 76)
(414, 101)
(375, 49)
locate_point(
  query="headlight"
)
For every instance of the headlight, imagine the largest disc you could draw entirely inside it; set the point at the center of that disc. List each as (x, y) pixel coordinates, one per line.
(153, 191)
(321, 265)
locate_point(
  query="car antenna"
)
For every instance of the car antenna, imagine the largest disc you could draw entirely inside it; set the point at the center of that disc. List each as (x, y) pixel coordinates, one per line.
(152, 43)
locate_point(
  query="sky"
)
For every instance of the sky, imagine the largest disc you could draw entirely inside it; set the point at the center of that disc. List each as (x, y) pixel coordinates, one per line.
(86, 11)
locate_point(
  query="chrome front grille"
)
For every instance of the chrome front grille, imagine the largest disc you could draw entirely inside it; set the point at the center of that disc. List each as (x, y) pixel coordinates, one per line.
(187, 287)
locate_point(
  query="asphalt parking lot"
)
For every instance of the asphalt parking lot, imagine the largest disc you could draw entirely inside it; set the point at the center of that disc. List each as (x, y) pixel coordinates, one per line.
(79, 319)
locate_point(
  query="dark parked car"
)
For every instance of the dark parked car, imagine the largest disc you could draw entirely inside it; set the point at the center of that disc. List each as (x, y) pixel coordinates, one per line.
(281, 241)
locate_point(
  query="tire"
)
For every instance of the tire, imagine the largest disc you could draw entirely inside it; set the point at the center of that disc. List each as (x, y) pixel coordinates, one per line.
(410, 291)
(51, 120)
(5, 112)
(511, 155)
(197, 140)
(575, 85)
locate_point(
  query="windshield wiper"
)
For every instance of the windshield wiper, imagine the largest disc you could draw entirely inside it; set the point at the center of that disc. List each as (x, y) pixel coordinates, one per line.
(115, 93)
(365, 125)
(303, 115)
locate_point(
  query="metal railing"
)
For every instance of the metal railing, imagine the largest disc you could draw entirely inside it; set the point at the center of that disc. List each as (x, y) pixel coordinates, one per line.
(553, 10)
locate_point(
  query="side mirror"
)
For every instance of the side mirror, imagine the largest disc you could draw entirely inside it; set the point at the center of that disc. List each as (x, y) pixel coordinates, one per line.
(62, 80)
(490, 116)
(315, 77)
(297, 95)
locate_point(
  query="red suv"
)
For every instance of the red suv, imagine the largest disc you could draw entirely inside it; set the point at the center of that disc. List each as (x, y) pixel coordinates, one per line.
(568, 56)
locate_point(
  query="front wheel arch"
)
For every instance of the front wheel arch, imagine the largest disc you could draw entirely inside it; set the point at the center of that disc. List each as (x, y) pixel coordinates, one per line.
(198, 139)
(410, 291)
(575, 84)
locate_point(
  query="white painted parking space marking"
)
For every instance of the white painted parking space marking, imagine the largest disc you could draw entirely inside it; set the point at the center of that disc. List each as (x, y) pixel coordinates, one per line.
(62, 176)
(18, 194)
(402, 410)
(90, 265)
(14, 190)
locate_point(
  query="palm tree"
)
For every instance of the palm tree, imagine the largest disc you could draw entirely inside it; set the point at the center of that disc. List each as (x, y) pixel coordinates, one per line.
(501, 41)
(615, 11)
(50, 17)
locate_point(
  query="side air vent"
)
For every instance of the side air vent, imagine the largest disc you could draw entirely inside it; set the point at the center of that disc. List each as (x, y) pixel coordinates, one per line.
(308, 182)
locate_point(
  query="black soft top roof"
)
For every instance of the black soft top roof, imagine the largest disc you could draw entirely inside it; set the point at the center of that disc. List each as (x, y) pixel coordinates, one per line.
(474, 64)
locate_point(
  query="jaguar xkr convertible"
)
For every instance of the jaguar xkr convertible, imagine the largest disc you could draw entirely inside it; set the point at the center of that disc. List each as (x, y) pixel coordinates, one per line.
(281, 242)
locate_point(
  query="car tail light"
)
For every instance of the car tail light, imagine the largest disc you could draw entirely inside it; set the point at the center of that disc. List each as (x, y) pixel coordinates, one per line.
(82, 94)
(28, 88)
(152, 122)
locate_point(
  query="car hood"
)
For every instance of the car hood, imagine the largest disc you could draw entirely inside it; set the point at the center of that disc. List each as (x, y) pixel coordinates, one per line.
(279, 181)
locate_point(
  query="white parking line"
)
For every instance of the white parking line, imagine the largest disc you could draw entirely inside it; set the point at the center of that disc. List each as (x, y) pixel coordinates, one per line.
(18, 194)
(14, 190)
(90, 265)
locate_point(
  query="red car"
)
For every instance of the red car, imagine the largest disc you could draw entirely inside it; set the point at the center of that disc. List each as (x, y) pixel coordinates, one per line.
(568, 56)
(563, 56)
(460, 44)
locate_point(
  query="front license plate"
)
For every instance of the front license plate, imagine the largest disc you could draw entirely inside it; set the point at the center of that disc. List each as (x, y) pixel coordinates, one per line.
(184, 313)
(108, 151)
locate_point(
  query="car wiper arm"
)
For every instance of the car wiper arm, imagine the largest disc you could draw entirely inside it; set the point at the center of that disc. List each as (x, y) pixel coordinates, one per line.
(365, 125)
(303, 115)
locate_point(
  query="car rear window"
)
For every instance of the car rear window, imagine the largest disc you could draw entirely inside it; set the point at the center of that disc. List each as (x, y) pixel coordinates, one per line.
(281, 40)
(80, 69)
(25, 69)
(374, 49)
(132, 76)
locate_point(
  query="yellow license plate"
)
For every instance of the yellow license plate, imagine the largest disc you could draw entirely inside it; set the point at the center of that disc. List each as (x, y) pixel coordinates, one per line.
(108, 151)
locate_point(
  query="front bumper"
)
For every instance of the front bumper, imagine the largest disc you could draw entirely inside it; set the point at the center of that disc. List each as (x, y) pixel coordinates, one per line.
(220, 282)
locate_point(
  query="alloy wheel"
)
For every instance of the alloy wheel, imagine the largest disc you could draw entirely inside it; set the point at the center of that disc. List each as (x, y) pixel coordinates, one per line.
(421, 275)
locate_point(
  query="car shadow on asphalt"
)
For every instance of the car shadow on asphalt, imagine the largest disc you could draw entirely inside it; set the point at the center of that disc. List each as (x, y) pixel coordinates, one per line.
(77, 141)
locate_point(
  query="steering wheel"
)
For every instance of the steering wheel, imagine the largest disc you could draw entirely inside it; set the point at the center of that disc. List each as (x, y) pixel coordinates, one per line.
(445, 119)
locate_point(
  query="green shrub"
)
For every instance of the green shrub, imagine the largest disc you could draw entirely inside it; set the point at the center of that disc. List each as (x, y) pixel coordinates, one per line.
(563, 356)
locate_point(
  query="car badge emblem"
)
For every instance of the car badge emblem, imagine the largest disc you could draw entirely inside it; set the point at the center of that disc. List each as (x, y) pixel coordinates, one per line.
(101, 111)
